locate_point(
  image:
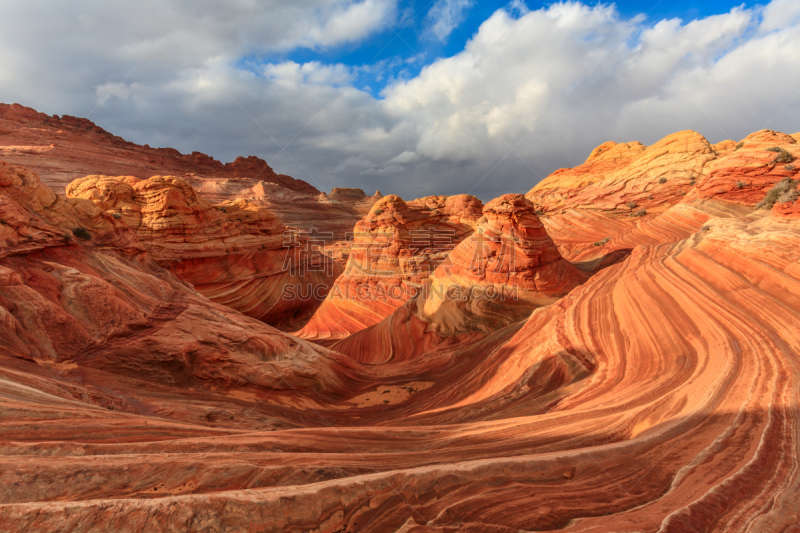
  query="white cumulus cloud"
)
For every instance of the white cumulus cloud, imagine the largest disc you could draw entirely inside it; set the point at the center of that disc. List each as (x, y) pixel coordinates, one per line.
(445, 16)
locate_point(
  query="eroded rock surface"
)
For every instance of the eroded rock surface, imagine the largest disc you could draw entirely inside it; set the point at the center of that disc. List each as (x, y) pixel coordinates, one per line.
(236, 253)
(396, 247)
(645, 380)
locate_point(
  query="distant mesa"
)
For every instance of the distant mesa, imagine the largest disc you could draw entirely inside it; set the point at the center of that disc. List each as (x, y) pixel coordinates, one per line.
(342, 193)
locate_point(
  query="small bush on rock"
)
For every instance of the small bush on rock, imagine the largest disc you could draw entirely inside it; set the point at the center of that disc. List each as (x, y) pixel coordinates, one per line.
(82, 233)
(784, 157)
(786, 188)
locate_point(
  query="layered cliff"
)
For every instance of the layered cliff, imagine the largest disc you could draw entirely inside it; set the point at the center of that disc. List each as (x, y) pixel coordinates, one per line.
(496, 277)
(394, 249)
(236, 253)
(628, 194)
(62, 149)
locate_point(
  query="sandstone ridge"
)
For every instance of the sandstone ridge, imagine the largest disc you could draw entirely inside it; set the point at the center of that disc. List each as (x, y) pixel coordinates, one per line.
(642, 377)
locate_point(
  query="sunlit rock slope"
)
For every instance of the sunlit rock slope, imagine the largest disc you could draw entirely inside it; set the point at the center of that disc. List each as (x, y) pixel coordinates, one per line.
(645, 378)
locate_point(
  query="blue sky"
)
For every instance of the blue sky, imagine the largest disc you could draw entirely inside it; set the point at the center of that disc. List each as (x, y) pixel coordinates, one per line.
(401, 50)
(410, 97)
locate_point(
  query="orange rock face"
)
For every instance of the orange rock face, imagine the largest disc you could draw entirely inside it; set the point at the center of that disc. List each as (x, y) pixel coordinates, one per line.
(644, 378)
(394, 249)
(492, 279)
(625, 178)
(234, 253)
(601, 207)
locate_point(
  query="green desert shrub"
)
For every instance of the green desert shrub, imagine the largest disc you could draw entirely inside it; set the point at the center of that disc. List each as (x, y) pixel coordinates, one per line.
(631, 204)
(741, 184)
(639, 213)
(740, 145)
(602, 241)
(82, 233)
(662, 180)
(789, 196)
(783, 157)
(783, 191)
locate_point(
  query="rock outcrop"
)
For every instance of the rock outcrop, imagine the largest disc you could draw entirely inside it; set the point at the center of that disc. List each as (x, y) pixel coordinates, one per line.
(666, 380)
(662, 193)
(644, 378)
(62, 149)
(494, 278)
(394, 249)
(235, 253)
(626, 178)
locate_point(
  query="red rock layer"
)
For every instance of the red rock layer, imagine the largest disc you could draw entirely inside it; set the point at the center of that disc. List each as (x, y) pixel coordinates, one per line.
(234, 253)
(62, 149)
(746, 175)
(660, 395)
(394, 249)
(492, 279)
(329, 217)
(32, 217)
(657, 396)
(94, 307)
(589, 220)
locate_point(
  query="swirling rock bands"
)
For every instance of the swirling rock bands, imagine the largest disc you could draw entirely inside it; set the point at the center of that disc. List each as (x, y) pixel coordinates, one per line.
(659, 395)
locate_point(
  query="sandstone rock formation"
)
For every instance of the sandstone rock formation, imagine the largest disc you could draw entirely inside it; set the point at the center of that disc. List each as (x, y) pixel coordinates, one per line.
(628, 194)
(394, 249)
(625, 178)
(62, 149)
(656, 395)
(494, 278)
(645, 379)
(234, 253)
